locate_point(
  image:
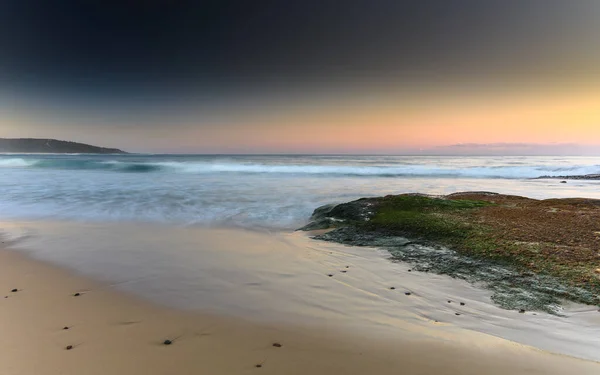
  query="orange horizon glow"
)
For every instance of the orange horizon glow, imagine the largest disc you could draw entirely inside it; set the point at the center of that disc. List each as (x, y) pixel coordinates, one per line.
(392, 122)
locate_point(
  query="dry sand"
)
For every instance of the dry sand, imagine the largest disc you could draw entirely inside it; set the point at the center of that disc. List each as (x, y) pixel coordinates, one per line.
(115, 333)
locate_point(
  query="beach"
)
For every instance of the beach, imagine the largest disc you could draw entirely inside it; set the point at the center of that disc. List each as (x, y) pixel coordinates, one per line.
(202, 251)
(241, 315)
(298, 188)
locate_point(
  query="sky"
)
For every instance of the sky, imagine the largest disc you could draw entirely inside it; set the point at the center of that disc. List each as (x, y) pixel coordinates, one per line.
(353, 76)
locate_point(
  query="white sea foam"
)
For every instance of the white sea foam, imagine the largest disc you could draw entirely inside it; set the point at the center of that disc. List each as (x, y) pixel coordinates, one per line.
(16, 163)
(255, 191)
(509, 170)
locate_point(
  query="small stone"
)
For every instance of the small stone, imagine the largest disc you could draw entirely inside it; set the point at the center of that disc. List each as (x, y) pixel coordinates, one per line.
(15, 290)
(563, 182)
(449, 301)
(277, 345)
(258, 366)
(167, 342)
(76, 294)
(462, 303)
(65, 327)
(409, 270)
(343, 271)
(347, 266)
(522, 311)
(457, 314)
(330, 275)
(392, 287)
(69, 347)
(407, 293)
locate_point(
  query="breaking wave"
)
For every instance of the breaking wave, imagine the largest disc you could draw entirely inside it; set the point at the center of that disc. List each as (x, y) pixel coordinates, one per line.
(204, 167)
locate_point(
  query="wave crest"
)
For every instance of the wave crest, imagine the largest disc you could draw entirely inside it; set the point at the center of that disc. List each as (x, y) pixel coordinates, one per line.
(205, 167)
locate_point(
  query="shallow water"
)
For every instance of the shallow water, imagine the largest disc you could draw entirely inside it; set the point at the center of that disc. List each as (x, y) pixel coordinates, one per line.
(283, 278)
(278, 192)
(137, 223)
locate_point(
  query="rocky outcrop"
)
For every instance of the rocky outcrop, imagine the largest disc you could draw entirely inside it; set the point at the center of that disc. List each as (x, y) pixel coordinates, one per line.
(531, 253)
(34, 145)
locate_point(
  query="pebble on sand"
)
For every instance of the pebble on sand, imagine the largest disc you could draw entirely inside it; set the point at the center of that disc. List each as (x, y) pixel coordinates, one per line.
(167, 342)
(258, 366)
(392, 287)
(462, 303)
(277, 345)
(15, 290)
(449, 301)
(407, 293)
(330, 275)
(457, 314)
(69, 347)
(65, 327)
(522, 311)
(76, 294)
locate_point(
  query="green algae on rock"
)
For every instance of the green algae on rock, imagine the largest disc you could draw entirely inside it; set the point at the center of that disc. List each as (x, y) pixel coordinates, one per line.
(531, 254)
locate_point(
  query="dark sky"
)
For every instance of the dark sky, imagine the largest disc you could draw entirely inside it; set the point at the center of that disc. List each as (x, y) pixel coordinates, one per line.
(254, 75)
(135, 47)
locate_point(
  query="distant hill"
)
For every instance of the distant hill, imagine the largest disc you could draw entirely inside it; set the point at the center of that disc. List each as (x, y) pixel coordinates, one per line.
(34, 145)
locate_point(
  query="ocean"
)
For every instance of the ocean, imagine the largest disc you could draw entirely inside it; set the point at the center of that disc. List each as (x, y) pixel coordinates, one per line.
(215, 234)
(271, 191)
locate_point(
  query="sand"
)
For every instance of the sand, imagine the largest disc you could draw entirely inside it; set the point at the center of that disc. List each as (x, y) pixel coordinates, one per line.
(112, 332)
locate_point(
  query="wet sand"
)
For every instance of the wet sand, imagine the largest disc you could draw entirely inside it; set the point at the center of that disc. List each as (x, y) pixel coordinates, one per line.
(113, 331)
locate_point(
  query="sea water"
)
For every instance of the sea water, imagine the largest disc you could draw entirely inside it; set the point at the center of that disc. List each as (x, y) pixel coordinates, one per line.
(272, 191)
(136, 223)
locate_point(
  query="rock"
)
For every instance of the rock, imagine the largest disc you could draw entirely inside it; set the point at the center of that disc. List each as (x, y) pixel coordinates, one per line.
(330, 275)
(15, 290)
(522, 311)
(409, 270)
(462, 303)
(392, 287)
(563, 182)
(512, 287)
(65, 327)
(407, 293)
(331, 215)
(449, 301)
(258, 365)
(167, 342)
(457, 314)
(277, 345)
(69, 347)
(76, 294)
(343, 271)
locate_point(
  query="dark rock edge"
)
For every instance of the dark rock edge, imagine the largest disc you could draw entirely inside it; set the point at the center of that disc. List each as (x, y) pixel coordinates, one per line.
(511, 288)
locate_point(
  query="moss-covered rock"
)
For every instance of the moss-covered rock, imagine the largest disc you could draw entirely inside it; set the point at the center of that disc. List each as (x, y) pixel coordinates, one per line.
(530, 253)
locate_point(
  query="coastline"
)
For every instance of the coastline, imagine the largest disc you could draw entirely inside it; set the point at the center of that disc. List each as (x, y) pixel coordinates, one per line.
(532, 254)
(125, 335)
